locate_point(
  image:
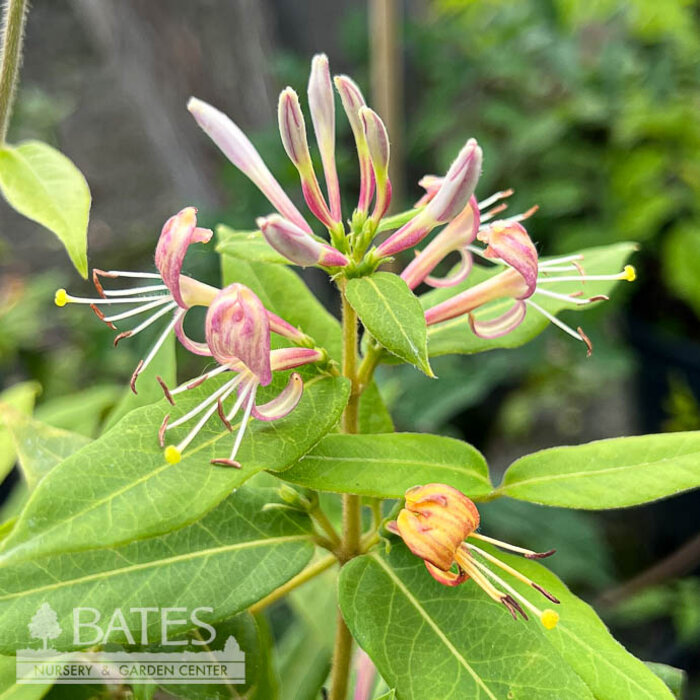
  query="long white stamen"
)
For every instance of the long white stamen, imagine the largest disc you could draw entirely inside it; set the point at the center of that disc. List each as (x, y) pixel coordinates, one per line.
(484, 203)
(502, 564)
(244, 423)
(122, 273)
(243, 395)
(561, 268)
(152, 319)
(563, 297)
(558, 261)
(134, 290)
(555, 320)
(503, 545)
(139, 310)
(212, 398)
(200, 424)
(162, 338)
(533, 608)
(583, 278)
(480, 252)
(100, 301)
(199, 380)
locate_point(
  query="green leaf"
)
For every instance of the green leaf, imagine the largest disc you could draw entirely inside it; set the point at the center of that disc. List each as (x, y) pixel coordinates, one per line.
(391, 312)
(247, 245)
(40, 447)
(604, 474)
(455, 336)
(411, 625)
(10, 690)
(432, 641)
(231, 558)
(260, 681)
(163, 365)
(43, 185)
(119, 487)
(20, 397)
(374, 416)
(283, 292)
(82, 412)
(385, 466)
(674, 678)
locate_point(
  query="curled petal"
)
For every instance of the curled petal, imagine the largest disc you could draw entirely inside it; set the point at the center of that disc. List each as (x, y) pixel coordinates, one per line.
(352, 99)
(459, 275)
(322, 106)
(192, 345)
(293, 133)
(178, 233)
(458, 185)
(289, 358)
(431, 184)
(378, 146)
(284, 403)
(501, 325)
(297, 246)
(510, 242)
(447, 578)
(237, 328)
(241, 152)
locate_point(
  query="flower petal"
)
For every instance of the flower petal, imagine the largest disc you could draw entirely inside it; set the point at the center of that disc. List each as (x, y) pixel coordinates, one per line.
(447, 578)
(501, 325)
(284, 403)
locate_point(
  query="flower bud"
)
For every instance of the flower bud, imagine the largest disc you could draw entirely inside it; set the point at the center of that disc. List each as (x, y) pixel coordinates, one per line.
(378, 146)
(435, 521)
(241, 152)
(237, 329)
(297, 246)
(322, 106)
(293, 133)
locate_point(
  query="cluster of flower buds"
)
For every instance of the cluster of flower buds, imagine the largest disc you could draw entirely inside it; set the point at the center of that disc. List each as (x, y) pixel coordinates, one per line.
(237, 336)
(438, 523)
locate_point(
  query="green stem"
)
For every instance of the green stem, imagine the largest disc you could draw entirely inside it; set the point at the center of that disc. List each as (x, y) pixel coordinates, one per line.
(321, 519)
(306, 575)
(12, 35)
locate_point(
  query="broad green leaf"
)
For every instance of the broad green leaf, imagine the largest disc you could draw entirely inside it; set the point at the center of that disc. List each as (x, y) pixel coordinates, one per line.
(10, 690)
(430, 641)
(374, 416)
(674, 678)
(425, 625)
(455, 336)
(20, 397)
(149, 390)
(120, 487)
(235, 555)
(43, 185)
(391, 312)
(247, 245)
(260, 681)
(389, 695)
(82, 412)
(40, 447)
(283, 292)
(302, 663)
(604, 474)
(385, 466)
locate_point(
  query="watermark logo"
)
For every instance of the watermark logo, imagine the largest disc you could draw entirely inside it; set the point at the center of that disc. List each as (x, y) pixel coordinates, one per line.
(44, 664)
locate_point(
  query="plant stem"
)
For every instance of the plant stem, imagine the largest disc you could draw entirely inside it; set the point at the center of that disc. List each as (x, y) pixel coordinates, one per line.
(12, 35)
(352, 504)
(306, 575)
(325, 524)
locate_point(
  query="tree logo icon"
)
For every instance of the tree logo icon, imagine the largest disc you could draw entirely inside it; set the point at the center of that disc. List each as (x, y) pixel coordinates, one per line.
(44, 625)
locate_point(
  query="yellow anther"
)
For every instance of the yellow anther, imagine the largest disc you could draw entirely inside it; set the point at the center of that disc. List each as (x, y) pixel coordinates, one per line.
(549, 619)
(61, 297)
(630, 273)
(172, 454)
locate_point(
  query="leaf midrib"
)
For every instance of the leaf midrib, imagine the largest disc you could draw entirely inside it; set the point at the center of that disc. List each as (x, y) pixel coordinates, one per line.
(189, 556)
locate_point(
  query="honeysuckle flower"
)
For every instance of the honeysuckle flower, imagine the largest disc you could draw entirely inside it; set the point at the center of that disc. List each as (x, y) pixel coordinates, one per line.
(173, 293)
(523, 278)
(237, 331)
(438, 523)
(377, 141)
(450, 199)
(296, 245)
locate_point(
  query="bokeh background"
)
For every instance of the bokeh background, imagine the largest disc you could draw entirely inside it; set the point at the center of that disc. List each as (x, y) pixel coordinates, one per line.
(588, 108)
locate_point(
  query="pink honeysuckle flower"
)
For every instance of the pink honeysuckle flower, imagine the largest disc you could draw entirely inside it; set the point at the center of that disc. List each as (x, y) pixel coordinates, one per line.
(524, 277)
(237, 331)
(296, 245)
(450, 199)
(377, 141)
(322, 107)
(172, 293)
